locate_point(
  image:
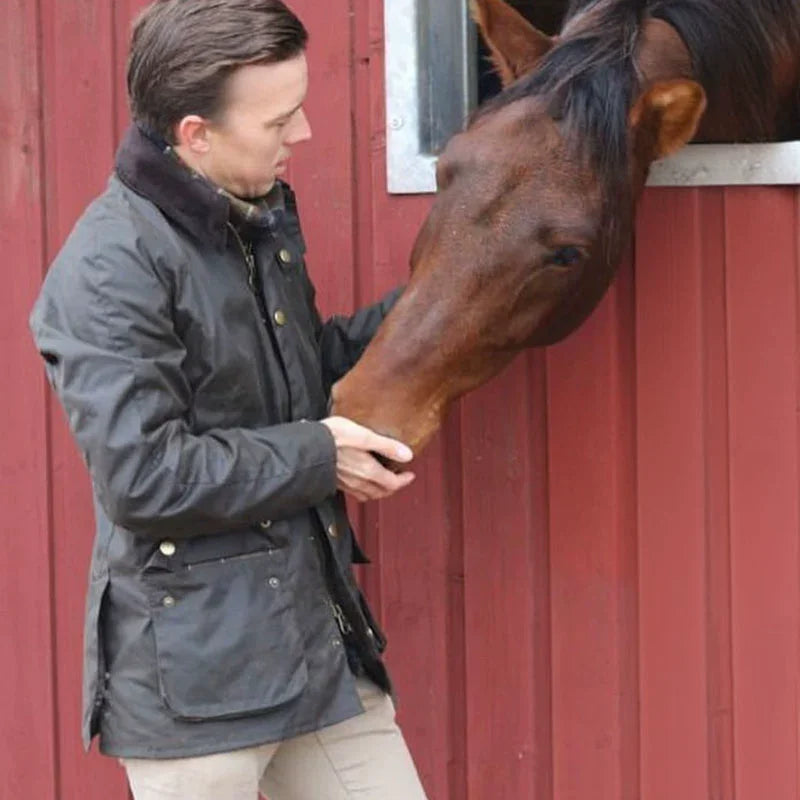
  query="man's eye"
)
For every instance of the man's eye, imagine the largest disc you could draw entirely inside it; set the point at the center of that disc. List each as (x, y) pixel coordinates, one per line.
(565, 256)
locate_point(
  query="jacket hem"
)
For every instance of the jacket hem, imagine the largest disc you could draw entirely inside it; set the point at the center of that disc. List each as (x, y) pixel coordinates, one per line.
(155, 751)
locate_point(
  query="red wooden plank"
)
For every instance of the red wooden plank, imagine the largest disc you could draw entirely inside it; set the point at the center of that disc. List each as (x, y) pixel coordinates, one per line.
(719, 652)
(322, 170)
(79, 74)
(761, 243)
(417, 536)
(451, 777)
(593, 554)
(416, 541)
(362, 190)
(28, 759)
(123, 14)
(671, 486)
(507, 608)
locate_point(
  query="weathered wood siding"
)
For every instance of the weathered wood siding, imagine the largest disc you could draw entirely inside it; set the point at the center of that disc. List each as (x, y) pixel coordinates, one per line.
(592, 588)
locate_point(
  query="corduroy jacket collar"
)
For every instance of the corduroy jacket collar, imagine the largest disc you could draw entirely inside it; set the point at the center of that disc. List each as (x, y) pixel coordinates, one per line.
(144, 164)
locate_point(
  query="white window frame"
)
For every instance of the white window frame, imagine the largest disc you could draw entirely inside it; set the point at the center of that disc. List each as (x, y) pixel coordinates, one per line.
(420, 43)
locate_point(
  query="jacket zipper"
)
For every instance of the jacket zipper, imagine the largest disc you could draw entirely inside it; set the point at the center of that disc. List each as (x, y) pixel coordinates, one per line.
(249, 260)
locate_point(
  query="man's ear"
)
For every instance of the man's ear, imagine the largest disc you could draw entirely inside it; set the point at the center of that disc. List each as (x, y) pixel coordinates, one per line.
(668, 115)
(191, 133)
(515, 45)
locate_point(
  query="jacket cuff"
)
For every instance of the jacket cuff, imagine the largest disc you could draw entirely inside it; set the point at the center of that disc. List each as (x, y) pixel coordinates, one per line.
(317, 438)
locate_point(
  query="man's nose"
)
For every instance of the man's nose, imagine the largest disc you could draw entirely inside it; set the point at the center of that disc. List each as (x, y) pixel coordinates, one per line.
(301, 129)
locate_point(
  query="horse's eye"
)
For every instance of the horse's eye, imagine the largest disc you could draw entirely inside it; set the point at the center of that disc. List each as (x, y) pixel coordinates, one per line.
(565, 256)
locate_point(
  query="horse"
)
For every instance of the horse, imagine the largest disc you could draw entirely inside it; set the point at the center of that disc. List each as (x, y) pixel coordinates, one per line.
(536, 197)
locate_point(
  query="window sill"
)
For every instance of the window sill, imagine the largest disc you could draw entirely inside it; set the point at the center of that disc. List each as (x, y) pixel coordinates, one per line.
(730, 165)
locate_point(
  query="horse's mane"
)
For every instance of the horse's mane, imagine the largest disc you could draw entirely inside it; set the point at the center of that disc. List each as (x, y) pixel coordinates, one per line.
(588, 81)
(731, 44)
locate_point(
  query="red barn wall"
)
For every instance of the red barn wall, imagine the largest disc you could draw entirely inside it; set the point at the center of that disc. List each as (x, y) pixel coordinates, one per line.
(591, 590)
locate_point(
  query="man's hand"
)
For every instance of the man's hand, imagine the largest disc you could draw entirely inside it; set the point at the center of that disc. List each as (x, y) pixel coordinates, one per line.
(358, 472)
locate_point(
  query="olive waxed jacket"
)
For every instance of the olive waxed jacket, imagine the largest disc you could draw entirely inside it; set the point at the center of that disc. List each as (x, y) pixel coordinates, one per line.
(192, 365)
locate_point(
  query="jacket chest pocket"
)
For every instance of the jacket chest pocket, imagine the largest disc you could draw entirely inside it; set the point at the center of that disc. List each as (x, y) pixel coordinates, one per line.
(227, 640)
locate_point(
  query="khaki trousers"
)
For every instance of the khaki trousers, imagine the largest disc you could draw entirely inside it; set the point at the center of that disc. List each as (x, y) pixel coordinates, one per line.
(364, 757)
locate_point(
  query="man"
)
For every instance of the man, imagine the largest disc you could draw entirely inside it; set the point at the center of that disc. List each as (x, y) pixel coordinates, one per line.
(227, 647)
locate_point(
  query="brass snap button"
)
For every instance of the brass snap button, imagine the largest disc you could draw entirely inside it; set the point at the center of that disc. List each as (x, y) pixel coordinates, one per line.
(168, 601)
(285, 256)
(280, 317)
(333, 531)
(167, 548)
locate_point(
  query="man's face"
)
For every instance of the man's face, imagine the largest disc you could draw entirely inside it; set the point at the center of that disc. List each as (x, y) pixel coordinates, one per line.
(249, 145)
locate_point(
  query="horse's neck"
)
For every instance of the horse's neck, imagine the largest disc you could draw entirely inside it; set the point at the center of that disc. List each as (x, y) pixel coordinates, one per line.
(663, 55)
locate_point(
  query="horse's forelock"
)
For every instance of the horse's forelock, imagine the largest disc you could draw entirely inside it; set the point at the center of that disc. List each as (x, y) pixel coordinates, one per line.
(588, 82)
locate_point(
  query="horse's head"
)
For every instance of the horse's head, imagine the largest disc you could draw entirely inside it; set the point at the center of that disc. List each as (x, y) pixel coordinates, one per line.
(534, 206)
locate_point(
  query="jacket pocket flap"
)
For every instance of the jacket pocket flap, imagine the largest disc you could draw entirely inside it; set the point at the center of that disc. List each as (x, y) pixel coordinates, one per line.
(227, 641)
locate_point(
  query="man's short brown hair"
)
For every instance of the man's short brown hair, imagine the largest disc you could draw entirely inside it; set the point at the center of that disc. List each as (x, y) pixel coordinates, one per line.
(183, 51)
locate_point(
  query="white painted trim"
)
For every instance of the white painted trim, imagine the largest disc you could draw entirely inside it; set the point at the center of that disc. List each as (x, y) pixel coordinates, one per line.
(730, 165)
(408, 170)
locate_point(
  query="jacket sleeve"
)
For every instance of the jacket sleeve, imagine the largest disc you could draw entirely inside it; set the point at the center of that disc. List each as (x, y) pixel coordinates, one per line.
(104, 328)
(343, 339)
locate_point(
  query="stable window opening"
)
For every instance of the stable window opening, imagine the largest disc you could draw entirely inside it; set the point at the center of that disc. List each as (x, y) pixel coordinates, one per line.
(437, 72)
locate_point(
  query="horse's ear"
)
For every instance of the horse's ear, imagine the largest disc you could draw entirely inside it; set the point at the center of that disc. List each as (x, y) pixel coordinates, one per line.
(515, 45)
(669, 113)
